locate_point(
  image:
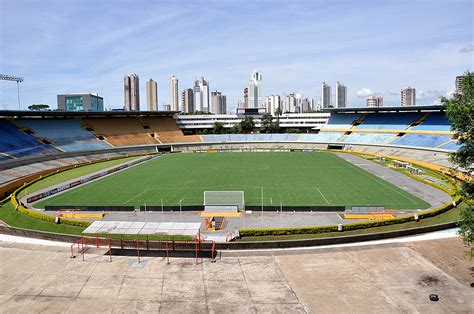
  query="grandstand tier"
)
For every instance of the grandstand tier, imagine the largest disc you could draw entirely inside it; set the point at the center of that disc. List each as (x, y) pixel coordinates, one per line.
(389, 121)
(72, 136)
(16, 143)
(24, 133)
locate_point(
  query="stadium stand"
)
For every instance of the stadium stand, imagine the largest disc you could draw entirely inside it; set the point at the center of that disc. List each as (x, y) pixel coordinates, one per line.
(321, 137)
(368, 138)
(166, 130)
(421, 140)
(389, 121)
(31, 135)
(19, 144)
(342, 121)
(452, 145)
(120, 131)
(435, 121)
(72, 136)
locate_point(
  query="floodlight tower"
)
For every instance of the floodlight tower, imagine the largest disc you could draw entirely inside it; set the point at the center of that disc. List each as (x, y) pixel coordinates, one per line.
(17, 79)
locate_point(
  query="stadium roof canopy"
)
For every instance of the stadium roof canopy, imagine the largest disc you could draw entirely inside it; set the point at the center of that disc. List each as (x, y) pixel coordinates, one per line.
(144, 228)
(85, 114)
(386, 109)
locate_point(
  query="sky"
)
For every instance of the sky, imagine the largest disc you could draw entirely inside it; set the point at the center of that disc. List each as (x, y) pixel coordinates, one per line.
(373, 47)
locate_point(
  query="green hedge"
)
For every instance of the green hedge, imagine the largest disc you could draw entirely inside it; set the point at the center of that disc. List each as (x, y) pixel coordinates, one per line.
(348, 227)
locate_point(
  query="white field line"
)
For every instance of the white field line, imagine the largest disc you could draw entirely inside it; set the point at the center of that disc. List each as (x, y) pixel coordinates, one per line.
(322, 195)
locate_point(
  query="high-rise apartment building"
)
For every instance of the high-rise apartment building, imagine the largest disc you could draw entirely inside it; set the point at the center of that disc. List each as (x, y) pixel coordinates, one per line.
(408, 97)
(325, 95)
(246, 98)
(174, 97)
(341, 95)
(290, 103)
(151, 95)
(254, 89)
(187, 102)
(218, 103)
(273, 102)
(132, 92)
(201, 95)
(458, 84)
(374, 101)
(306, 104)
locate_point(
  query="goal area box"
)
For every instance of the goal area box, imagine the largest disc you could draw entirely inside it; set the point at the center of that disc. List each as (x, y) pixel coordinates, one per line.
(224, 201)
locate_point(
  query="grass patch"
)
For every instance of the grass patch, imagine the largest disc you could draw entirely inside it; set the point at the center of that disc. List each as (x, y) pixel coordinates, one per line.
(74, 173)
(293, 179)
(10, 216)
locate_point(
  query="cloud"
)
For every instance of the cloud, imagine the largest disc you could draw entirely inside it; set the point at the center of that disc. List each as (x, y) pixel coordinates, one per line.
(450, 93)
(364, 92)
(468, 48)
(430, 94)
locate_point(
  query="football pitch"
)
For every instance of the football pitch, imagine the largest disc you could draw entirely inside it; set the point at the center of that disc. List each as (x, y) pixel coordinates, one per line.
(290, 179)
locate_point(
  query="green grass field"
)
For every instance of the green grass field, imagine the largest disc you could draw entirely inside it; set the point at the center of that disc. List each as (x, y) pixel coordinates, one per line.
(319, 178)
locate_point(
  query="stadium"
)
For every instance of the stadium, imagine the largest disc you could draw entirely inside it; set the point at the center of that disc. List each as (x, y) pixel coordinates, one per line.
(361, 165)
(112, 184)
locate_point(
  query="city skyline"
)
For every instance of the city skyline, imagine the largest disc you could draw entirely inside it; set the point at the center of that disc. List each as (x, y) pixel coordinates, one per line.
(55, 57)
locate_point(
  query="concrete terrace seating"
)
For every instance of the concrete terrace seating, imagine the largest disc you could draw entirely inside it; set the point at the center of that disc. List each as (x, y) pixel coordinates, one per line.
(421, 140)
(176, 137)
(453, 145)
(167, 131)
(435, 121)
(66, 134)
(121, 132)
(368, 138)
(321, 137)
(389, 121)
(19, 144)
(342, 120)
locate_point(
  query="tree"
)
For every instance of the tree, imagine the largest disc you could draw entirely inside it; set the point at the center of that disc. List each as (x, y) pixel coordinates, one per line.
(218, 128)
(460, 111)
(38, 107)
(266, 123)
(236, 129)
(247, 125)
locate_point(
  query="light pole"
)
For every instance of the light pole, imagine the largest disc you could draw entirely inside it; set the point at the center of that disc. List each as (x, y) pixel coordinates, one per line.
(180, 209)
(17, 79)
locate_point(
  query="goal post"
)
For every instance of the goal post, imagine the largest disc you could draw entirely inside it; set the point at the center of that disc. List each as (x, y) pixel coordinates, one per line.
(224, 201)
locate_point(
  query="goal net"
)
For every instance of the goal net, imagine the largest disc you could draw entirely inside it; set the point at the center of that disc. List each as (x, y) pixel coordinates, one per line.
(224, 201)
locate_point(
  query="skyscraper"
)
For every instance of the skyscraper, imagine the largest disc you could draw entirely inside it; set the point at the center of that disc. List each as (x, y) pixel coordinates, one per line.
(174, 98)
(408, 97)
(326, 95)
(187, 103)
(374, 101)
(458, 84)
(290, 103)
(254, 89)
(201, 95)
(341, 95)
(132, 92)
(246, 97)
(218, 103)
(306, 104)
(273, 102)
(151, 95)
